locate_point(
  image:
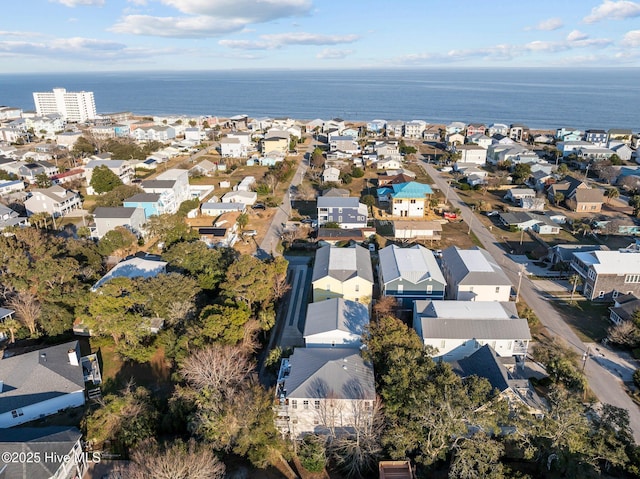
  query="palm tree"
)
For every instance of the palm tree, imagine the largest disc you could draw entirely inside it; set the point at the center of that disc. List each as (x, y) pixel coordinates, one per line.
(612, 194)
(558, 198)
(574, 280)
(10, 325)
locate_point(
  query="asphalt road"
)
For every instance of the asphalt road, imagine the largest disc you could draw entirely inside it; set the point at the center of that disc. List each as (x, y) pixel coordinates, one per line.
(602, 373)
(268, 245)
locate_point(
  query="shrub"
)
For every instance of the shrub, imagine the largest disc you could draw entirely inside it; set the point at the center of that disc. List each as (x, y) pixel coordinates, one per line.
(312, 453)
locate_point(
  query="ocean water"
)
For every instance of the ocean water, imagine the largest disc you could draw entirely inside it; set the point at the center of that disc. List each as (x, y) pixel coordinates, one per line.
(539, 98)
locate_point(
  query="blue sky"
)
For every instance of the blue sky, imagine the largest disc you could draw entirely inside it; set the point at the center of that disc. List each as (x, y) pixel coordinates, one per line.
(120, 35)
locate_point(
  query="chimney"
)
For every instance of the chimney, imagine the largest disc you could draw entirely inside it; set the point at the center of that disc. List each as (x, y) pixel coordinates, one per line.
(73, 357)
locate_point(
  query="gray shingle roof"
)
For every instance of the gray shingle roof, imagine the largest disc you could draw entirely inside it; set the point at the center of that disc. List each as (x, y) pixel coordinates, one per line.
(113, 212)
(342, 263)
(144, 198)
(36, 376)
(151, 184)
(336, 313)
(474, 266)
(54, 441)
(481, 329)
(336, 372)
(415, 264)
(338, 202)
(484, 364)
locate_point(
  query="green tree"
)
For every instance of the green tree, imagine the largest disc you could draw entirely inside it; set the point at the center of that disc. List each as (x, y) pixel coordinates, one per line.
(634, 202)
(616, 160)
(223, 323)
(208, 266)
(563, 170)
(254, 281)
(119, 238)
(477, 457)
(187, 206)
(243, 221)
(11, 326)
(357, 172)
(4, 175)
(558, 198)
(117, 196)
(104, 180)
(43, 180)
(521, 172)
(165, 291)
(312, 453)
(170, 229)
(612, 194)
(128, 418)
(317, 158)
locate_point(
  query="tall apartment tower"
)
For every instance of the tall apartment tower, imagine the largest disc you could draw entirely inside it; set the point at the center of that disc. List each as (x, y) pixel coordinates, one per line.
(73, 106)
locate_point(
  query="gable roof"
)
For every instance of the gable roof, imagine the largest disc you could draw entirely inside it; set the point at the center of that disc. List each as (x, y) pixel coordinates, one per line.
(474, 266)
(53, 442)
(102, 212)
(415, 264)
(133, 268)
(481, 329)
(323, 372)
(611, 262)
(342, 263)
(588, 195)
(484, 364)
(336, 314)
(144, 198)
(338, 202)
(37, 376)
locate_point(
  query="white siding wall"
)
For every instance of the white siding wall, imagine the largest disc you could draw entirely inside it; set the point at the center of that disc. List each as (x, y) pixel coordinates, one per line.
(50, 406)
(483, 293)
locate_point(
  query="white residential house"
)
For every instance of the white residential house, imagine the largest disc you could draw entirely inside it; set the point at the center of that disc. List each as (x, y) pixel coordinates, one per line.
(331, 174)
(246, 184)
(455, 127)
(212, 208)
(181, 188)
(457, 329)
(342, 273)
(135, 267)
(246, 198)
(55, 200)
(231, 148)
(473, 275)
(322, 389)
(154, 133)
(389, 164)
(414, 128)
(9, 218)
(472, 154)
(481, 140)
(497, 128)
(40, 383)
(335, 322)
(395, 128)
(517, 195)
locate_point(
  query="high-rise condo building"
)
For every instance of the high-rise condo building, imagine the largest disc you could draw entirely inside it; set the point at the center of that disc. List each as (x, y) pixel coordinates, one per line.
(73, 106)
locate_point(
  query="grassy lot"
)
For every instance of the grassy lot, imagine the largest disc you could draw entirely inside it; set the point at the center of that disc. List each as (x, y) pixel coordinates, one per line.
(588, 320)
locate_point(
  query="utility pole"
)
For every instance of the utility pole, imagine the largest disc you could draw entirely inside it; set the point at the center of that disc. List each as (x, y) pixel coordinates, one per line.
(585, 356)
(520, 273)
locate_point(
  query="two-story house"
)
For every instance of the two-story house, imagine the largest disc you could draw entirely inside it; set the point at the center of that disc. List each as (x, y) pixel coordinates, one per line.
(331, 174)
(474, 275)
(407, 199)
(322, 389)
(342, 273)
(597, 137)
(475, 154)
(122, 169)
(55, 200)
(456, 329)
(151, 203)
(409, 274)
(108, 218)
(607, 274)
(347, 212)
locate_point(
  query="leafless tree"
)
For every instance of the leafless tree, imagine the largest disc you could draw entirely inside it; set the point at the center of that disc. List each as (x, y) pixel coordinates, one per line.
(217, 367)
(27, 310)
(180, 311)
(625, 334)
(385, 306)
(629, 183)
(174, 461)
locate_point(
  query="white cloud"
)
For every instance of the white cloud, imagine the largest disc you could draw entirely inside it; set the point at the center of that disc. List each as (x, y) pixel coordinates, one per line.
(177, 27)
(278, 40)
(250, 11)
(330, 54)
(75, 3)
(631, 39)
(548, 25)
(576, 35)
(69, 48)
(613, 10)
(140, 3)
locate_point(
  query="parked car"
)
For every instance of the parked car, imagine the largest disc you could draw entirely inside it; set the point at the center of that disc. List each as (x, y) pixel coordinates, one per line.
(259, 206)
(250, 233)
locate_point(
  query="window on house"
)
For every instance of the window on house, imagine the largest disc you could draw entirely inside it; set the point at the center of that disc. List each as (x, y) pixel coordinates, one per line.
(615, 294)
(632, 278)
(316, 404)
(17, 413)
(493, 344)
(429, 289)
(413, 202)
(294, 404)
(401, 288)
(367, 405)
(294, 421)
(328, 287)
(443, 343)
(316, 422)
(305, 404)
(497, 289)
(592, 274)
(601, 294)
(357, 288)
